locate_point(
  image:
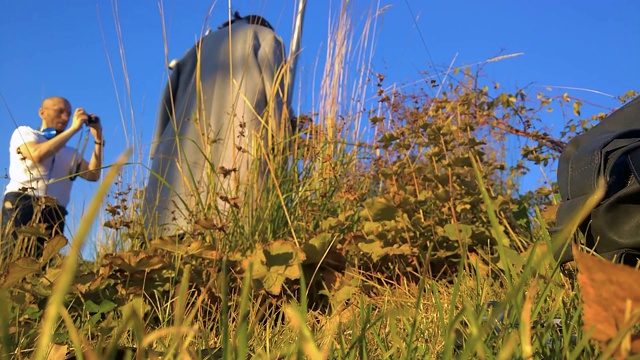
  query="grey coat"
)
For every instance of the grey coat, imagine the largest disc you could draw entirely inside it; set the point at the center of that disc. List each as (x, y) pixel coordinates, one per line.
(209, 131)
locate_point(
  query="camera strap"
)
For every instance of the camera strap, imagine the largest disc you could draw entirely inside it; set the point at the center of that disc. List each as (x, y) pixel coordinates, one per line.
(50, 133)
(75, 168)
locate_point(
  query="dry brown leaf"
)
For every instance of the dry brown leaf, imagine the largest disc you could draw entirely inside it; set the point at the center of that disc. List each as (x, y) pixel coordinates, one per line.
(113, 210)
(57, 351)
(233, 201)
(169, 244)
(204, 250)
(48, 200)
(225, 171)
(208, 224)
(134, 261)
(52, 247)
(118, 224)
(20, 269)
(36, 230)
(607, 292)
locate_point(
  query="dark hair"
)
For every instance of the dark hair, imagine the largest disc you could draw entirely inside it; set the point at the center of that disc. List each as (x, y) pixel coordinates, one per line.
(251, 19)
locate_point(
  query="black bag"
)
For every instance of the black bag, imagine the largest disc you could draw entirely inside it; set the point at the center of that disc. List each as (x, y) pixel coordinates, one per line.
(610, 149)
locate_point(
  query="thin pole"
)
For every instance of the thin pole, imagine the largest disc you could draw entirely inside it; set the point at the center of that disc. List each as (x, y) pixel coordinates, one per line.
(295, 45)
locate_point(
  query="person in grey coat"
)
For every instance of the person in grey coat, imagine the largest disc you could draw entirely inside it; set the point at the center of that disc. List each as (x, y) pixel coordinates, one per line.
(222, 108)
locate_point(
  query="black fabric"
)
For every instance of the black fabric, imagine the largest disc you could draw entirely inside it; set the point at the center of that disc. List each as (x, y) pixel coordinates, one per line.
(251, 19)
(75, 174)
(610, 150)
(18, 209)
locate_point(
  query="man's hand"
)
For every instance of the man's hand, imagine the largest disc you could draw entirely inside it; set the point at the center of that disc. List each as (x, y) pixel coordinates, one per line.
(96, 130)
(91, 170)
(80, 118)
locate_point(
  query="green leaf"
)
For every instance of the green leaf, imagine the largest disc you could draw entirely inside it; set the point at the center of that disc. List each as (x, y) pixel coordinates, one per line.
(387, 139)
(343, 294)
(59, 338)
(135, 308)
(91, 307)
(404, 249)
(376, 119)
(330, 223)
(93, 320)
(378, 209)
(316, 248)
(375, 248)
(282, 252)
(272, 283)
(106, 306)
(463, 161)
(272, 264)
(459, 232)
(33, 313)
(277, 275)
(443, 195)
(511, 258)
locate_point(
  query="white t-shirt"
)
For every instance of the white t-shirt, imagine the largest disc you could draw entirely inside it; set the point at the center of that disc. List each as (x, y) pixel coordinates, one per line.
(51, 178)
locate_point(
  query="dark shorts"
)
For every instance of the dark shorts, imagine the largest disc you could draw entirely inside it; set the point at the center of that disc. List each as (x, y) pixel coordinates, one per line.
(19, 209)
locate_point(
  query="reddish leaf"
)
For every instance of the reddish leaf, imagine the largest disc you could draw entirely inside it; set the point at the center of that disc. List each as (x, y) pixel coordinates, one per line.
(607, 290)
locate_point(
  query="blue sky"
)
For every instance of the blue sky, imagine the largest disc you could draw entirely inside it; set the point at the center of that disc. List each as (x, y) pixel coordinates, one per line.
(72, 48)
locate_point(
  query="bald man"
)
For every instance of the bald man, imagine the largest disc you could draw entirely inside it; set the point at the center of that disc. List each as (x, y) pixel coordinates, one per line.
(43, 167)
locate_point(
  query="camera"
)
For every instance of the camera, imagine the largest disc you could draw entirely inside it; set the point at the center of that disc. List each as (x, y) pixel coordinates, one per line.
(92, 119)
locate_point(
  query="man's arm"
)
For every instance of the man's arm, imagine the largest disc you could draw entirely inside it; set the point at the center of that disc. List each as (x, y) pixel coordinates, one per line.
(90, 171)
(39, 152)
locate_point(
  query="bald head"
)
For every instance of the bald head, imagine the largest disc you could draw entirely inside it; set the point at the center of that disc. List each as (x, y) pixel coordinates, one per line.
(55, 113)
(54, 100)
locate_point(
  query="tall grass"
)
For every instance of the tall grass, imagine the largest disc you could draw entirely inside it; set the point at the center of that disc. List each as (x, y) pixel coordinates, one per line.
(212, 307)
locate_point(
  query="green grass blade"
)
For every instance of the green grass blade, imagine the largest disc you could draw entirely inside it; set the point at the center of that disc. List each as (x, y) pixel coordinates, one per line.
(61, 287)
